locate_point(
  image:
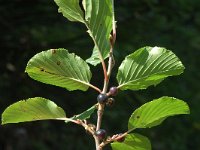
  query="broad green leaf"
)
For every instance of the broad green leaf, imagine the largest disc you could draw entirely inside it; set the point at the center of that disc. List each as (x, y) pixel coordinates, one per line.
(60, 68)
(133, 142)
(84, 115)
(98, 20)
(32, 109)
(148, 66)
(71, 10)
(155, 112)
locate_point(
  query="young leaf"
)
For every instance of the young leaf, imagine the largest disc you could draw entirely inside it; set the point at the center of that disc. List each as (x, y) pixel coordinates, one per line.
(32, 109)
(60, 68)
(155, 112)
(133, 142)
(97, 16)
(84, 115)
(148, 66)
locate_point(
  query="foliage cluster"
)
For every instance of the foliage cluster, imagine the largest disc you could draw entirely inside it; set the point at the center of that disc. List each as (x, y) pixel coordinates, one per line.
(127, 44)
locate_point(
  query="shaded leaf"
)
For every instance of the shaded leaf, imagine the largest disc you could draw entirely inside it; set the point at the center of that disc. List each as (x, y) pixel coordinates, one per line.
(148, 66)
(133, 142)
(155, 112)
(60, 68)
(84, 115)
(32, 109)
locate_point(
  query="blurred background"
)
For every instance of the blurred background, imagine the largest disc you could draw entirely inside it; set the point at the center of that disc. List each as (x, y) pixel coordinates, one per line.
(30, 26)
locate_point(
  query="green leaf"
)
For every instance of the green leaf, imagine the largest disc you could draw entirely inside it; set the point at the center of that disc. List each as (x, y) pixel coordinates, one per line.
(71, 10)
(87, 5)
(94, 59)
(155, 112)
(99, 24)
(98, 20)
(60, 68)
(32, 109)
(84, 115)
(133, 142)
(148, 66)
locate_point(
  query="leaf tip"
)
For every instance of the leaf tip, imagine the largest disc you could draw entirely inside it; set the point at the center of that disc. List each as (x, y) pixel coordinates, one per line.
(187, 111)
(3, 122)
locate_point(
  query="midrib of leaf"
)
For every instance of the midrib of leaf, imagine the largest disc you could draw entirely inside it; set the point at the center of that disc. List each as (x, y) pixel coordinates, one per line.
(95, 42)
(77, 80)
(88, 84)
(145, 77)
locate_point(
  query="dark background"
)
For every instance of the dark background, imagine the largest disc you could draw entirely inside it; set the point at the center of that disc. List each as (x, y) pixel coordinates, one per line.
(30, 26)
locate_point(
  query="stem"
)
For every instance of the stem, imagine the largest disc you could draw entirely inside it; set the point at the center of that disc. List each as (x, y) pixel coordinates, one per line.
(111, 57)
(99, 114)
(92, 131)
(98, 126)
(106, 80)
(115, 138)
(97, 143)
